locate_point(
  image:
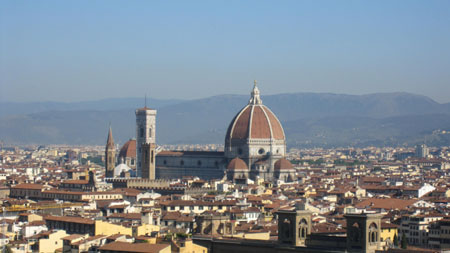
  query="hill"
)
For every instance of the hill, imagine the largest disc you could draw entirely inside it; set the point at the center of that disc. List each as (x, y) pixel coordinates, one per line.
(309, 119)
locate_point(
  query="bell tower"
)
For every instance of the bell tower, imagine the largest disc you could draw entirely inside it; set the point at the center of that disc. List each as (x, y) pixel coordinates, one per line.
(145, 142)
(363, 232)
(294, 227)
(110, 155)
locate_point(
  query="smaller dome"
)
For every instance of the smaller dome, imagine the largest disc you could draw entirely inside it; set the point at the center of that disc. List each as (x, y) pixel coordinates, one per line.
(237, 164)
(283, 164)
(121, 168)
(128, 149)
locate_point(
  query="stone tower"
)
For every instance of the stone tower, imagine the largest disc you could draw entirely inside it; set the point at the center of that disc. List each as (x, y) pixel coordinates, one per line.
(294, 227)
(363, 232)
(148, 160)
(145, 134)
(110, 155)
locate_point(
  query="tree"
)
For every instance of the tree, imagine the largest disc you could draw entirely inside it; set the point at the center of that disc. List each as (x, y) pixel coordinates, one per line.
(404, 242)
(7, 249)
(395, 240)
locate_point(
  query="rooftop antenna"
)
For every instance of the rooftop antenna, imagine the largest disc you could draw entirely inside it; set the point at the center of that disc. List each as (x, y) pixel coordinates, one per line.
(145, 105)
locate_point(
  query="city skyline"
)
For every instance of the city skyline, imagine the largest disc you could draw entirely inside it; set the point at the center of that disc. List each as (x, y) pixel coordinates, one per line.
(225, 126)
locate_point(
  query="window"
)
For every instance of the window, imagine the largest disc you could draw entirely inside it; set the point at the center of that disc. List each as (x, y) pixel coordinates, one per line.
(261, 151)
(141, 132)
(150, 132)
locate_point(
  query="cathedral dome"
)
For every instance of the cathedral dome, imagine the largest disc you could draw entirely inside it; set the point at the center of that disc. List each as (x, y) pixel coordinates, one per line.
(283, 164)
(237, 164)
(128, 149)
(255, 121)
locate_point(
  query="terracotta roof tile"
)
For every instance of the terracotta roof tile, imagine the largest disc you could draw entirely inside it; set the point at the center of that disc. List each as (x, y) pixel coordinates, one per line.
(133, 247)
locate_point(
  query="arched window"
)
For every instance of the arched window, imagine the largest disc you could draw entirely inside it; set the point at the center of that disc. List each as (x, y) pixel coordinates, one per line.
(286, 229)
(355, 232)
(303, 228)
(373, 233)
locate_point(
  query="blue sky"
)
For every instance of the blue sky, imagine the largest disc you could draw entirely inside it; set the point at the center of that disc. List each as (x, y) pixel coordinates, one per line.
(86, 50)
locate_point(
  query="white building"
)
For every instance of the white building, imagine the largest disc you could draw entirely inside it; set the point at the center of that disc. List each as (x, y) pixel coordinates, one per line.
(416, 228)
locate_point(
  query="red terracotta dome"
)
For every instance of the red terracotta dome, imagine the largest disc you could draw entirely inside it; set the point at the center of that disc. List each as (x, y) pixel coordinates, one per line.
(237, 164)
(128, 149)
(283, 164)
(255, 122)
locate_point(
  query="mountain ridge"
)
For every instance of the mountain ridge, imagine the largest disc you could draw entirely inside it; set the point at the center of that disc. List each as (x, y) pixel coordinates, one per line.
(205, 120)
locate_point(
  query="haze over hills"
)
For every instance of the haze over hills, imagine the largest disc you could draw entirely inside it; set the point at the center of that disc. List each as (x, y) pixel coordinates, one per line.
(309, 119)
(14, 108)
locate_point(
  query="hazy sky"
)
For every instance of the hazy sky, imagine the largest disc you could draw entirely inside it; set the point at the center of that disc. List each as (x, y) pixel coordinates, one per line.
(85, 50)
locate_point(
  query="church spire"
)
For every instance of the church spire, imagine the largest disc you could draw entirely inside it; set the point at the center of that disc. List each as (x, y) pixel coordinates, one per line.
(110, 155)
(255, 99)
(110, 140)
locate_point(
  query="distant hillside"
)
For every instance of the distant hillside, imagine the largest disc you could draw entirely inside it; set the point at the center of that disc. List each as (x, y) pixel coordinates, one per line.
(309, 119)
(364, 131)
(15, 108)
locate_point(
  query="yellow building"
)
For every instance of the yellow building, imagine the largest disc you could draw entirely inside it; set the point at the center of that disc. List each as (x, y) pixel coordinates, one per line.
(388, 230)
(105, 228)
(52, 242)
(187, 246)
(253, 235)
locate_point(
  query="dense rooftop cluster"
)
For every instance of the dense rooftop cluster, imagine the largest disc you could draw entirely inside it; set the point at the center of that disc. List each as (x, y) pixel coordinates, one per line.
(57, 198)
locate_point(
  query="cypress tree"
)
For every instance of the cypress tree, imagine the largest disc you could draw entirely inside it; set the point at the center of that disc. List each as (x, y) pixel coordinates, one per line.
(404, 242)
(395, 240)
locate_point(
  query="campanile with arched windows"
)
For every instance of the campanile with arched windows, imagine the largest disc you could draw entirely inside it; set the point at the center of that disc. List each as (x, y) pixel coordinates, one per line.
(294, 227)
(363, 232)
(145, 142)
